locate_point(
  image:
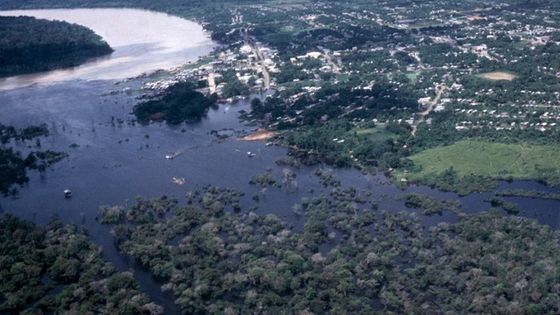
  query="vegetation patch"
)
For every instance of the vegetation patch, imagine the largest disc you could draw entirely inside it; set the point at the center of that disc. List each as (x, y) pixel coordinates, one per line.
(431, 205)
(30, 45)
(342, 144)
(179, 103)
(57, 270)
(8, 133)
(508, 207)
(237, 263)
(479, 161)
(14, 167)
(532, 194)
(412, 76)
(264, 180)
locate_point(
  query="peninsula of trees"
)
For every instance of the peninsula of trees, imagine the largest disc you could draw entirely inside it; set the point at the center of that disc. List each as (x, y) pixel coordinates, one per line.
(30, 45)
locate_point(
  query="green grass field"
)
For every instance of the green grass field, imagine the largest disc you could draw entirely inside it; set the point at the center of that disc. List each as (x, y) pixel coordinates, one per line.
(413, 76)
(493, 160)
(376, 133)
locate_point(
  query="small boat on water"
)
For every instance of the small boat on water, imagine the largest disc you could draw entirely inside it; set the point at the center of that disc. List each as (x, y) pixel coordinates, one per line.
(251, 154)
(67, 193)
(179, 181)
(174, 155)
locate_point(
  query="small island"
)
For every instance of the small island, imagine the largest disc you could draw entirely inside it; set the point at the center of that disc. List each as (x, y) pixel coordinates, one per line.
(29, 45)
(179, 103)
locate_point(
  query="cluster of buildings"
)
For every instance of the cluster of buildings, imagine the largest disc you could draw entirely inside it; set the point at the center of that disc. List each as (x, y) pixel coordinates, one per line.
(406, 62)
(251, 64)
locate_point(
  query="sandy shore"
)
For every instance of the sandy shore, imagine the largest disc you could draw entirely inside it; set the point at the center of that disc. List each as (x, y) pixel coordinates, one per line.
(260, 135)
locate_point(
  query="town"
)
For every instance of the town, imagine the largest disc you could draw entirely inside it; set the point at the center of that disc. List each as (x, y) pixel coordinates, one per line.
(492, 67)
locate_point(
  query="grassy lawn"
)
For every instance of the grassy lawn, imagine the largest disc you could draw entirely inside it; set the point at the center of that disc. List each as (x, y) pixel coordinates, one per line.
(493, 160)
(376, 133)
(412, 76)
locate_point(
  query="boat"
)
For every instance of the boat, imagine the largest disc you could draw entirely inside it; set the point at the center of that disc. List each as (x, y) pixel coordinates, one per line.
(251, 154)
(67, 193)
(174, 155)
(179, 181)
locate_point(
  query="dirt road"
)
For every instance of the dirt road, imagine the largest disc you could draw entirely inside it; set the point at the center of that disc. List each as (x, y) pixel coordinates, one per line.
(432, 105)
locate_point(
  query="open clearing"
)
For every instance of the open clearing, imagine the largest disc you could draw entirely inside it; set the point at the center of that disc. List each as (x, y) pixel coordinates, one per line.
(413, 76)
(498, 76)
(378, 133)
(495, 160)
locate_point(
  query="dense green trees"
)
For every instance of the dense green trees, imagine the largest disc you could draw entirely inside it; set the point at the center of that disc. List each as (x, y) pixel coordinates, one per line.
(343, 144)
(347, 259)
(233, 87)
(58, 270)
(484, 264)
(179, 103)
(431, 205)
(31, 45)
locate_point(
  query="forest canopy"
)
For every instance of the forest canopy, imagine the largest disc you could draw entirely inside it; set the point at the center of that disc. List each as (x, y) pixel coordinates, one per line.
(57, 270)
(218, 261)
(179, 103)
(30, 45)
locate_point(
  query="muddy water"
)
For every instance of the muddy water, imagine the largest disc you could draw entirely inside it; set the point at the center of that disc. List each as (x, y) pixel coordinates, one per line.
(143, 41)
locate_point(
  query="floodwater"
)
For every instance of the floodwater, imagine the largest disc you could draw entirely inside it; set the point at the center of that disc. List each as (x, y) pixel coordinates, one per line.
(112, 160)
(143, 41)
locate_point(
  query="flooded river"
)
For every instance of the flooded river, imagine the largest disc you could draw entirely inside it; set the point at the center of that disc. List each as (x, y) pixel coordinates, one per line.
(143, 41)
(112, 160)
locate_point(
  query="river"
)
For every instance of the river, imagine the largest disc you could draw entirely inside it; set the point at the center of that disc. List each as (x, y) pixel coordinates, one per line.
(112, 159)
(143, 41)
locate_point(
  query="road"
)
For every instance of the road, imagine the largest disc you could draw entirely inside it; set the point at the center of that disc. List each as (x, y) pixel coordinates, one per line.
(330, 61)
(260, 58)
(431, 106)
(416, 56)
(211, 83)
